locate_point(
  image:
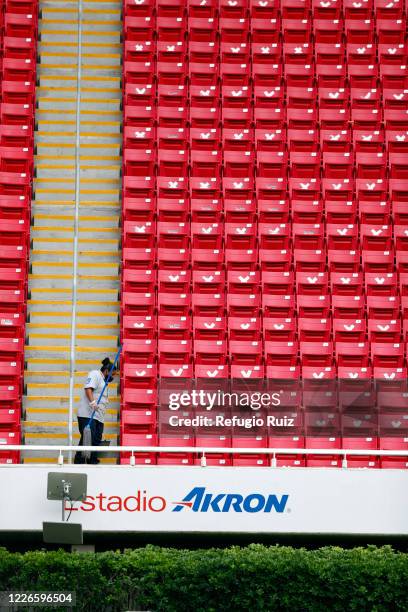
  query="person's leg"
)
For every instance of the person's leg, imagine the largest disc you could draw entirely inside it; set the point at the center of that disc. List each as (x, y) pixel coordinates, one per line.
(97, 431)
(82, 421)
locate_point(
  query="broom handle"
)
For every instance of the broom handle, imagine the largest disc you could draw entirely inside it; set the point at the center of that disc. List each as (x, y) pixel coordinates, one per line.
(105, 385)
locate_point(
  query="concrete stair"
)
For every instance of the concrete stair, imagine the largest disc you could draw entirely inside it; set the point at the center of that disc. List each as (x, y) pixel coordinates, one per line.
(53, 281)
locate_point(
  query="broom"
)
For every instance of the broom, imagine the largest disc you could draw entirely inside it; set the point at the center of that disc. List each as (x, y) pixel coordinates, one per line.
(87, 433)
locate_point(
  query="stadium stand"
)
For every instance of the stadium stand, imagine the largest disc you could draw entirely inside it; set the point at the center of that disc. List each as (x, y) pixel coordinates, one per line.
(265, 199)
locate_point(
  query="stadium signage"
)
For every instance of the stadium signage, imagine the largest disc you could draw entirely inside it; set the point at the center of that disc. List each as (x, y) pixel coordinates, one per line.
(140, 502)
(200, 501)
(191, 499)
(196, 500)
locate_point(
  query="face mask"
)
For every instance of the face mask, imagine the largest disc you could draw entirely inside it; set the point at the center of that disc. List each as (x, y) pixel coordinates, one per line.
(109, 378)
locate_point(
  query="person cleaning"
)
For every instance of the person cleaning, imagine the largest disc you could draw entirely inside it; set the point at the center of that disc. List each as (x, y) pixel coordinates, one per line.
(92, 407)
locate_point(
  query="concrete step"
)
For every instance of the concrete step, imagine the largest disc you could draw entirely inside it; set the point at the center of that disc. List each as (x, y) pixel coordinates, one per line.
(52, 339)
(83, 294)
(60, 415)
(87, 244)
(48, 317)
(58, 427)
(89, 92)
(53, 170)
(57, 103)
(55, 388)
(64, 282)
(56, 364)
(99, 269)
(57, 400)
(45, 255)
(43, 139)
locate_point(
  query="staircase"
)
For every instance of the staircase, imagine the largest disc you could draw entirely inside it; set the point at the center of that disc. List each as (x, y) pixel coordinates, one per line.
(73, 302)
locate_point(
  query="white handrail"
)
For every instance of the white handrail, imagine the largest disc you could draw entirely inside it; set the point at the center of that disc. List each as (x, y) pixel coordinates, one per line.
(72, 360)
(207, 450)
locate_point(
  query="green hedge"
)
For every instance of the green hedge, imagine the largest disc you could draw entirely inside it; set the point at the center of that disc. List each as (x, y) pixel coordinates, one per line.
(250, 579)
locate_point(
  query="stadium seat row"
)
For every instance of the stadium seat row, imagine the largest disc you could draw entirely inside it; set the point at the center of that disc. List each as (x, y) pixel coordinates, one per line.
(18, 40)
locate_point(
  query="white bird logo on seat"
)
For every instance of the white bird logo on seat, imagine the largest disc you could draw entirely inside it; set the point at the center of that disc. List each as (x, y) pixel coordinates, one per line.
(176, 372)
(246, 373)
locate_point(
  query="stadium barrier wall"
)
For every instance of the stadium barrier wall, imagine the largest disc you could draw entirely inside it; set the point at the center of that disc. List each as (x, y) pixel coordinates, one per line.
(214, 499)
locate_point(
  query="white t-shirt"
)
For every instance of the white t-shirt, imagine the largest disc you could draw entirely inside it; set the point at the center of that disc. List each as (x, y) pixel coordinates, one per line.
(95, 381)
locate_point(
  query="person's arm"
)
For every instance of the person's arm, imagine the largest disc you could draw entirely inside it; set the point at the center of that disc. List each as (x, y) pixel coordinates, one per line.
(90, 397)
(89, 388)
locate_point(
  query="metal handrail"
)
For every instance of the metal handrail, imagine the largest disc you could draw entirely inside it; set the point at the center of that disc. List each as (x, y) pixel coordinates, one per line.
(206, 450)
